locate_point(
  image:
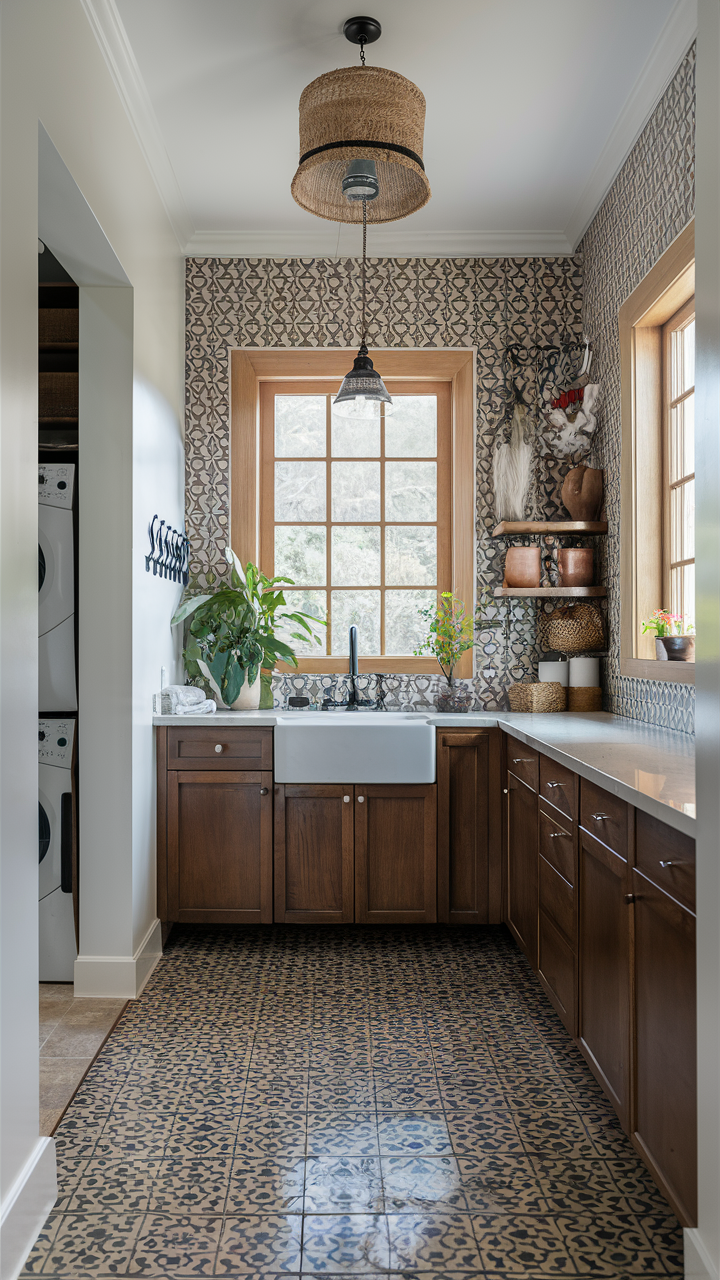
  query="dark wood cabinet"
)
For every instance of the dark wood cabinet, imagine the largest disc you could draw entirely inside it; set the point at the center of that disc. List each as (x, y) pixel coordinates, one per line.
(219, 846)
(522, 865)
(604, 933)
(665, 1128)
(469, 826)
(314, 854)
(395, 854)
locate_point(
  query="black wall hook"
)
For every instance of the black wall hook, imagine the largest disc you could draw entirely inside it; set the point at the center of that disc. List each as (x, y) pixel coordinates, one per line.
(169, 553)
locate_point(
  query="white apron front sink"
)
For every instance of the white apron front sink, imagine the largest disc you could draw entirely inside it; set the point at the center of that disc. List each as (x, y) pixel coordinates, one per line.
(354, 746)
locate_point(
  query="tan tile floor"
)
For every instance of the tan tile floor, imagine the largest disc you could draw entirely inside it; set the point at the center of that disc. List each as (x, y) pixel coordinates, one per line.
(71, 1032)
(347, 1102)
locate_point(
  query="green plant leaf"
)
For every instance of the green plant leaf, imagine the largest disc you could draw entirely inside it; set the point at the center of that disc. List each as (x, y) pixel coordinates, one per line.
(188, 606)
(216, 664)
(233, 682)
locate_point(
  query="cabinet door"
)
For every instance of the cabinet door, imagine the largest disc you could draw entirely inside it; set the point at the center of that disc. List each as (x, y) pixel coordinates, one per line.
(604, 961)
(219, 847)
(666, 1089)
(468, 765)
(522, 866)
(314, 853)
(395, 854)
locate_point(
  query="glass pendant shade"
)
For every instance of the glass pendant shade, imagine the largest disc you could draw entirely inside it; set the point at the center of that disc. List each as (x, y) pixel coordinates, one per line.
(362, 391)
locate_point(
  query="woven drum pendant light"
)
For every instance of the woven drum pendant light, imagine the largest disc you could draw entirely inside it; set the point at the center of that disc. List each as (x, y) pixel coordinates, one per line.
(361, 112)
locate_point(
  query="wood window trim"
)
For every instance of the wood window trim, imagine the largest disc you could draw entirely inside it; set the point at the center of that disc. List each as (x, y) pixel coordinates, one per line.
(663, 291)
(671, 326)
(250, 366)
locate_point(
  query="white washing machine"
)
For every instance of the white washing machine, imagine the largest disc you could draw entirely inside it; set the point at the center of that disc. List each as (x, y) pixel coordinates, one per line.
(57, 688)
(58, 950)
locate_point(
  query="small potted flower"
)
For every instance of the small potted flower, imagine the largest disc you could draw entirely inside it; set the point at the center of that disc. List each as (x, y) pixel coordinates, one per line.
(450, 635)
(674, 640)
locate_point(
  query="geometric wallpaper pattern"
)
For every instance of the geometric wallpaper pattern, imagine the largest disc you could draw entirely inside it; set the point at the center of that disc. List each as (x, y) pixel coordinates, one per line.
(487, 303)
(649, 204)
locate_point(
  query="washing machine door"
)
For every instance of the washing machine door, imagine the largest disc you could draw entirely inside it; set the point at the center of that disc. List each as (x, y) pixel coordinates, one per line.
(49, 841)
(56, 569)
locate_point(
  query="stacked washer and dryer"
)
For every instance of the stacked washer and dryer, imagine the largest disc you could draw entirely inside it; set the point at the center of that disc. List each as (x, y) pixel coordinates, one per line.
(57, 726)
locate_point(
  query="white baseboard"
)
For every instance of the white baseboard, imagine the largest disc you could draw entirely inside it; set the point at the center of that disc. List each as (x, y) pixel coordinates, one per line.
(119, 976)
(698, 1263)
(26, 1207)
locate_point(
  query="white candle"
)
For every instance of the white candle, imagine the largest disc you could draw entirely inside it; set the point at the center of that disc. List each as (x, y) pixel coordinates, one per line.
(556, 671)
(584, 673)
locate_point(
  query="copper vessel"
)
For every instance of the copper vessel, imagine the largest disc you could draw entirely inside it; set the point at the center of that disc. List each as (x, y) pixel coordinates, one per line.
(522, 567)
(575, 565)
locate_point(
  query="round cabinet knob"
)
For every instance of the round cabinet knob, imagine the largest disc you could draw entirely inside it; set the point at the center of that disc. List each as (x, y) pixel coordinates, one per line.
(346, 799)
(218, 748)
(505, 791)
(263, 791)
(361, 799)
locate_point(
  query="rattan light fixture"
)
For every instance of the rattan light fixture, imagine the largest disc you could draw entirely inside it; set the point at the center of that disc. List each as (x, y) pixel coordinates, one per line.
(361, 112)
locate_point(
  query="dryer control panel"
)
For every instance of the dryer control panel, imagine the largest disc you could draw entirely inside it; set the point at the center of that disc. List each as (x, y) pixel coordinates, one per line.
(56, 482)
(55, 742)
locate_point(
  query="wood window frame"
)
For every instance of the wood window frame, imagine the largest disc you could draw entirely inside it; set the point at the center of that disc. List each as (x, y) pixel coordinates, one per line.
(676, 322)
(659, 296)
(251, 366)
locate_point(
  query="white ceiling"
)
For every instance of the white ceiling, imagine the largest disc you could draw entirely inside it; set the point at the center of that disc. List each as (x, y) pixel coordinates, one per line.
(532, 105)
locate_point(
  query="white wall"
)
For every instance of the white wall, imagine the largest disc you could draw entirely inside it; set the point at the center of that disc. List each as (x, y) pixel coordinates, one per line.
(52, 73)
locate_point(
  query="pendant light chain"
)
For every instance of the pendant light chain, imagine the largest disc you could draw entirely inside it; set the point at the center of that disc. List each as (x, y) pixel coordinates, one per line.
(363, 328)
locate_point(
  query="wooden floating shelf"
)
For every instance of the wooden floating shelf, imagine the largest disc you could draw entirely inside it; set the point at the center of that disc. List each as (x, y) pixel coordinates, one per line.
(547, 593)
(507, 527)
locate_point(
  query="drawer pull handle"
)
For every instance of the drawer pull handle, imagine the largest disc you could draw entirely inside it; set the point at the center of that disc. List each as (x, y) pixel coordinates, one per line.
(674, 863)
(263, 791)
(346, 799)
(629, 898)
(218, 748)
(522, 760)
(505, 791)
(557, 835)
(361, 799)
(600, 817)
(555, 784)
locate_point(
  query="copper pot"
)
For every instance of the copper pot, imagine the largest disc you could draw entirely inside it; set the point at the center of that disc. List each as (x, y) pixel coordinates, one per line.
(575, 565)
(522, 567)
(582, 493)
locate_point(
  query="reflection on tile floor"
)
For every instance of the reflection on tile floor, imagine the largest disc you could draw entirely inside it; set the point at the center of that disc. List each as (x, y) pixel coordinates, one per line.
(71, 1032)
(347, 1102)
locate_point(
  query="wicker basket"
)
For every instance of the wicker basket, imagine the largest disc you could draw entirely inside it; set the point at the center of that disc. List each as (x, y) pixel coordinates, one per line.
(58, 324)
(584, 698)
(547, 696)
(58, 395)
(572, 628)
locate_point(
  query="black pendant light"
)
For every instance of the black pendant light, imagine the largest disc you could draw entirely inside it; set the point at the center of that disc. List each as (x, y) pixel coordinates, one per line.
(362, 388)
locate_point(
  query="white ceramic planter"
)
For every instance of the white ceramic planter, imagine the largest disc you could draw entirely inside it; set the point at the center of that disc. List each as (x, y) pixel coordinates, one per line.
(249, 699)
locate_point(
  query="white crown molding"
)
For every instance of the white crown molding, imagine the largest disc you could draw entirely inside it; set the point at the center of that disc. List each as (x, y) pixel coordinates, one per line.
(112, 38)
(323, 242)
(665, 57)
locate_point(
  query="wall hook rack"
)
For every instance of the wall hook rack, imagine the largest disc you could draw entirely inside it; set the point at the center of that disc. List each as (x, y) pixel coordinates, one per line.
(169, 554)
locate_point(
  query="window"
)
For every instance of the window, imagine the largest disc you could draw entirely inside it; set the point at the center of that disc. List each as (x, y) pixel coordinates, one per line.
(357, 512)
(657, 524)
(679, 468)
(371, 523)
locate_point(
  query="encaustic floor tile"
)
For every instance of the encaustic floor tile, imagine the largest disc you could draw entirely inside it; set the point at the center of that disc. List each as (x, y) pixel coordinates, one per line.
(345, 1103)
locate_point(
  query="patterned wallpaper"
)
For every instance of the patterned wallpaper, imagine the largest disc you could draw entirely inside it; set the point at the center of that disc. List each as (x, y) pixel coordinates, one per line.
(486, 303)
(650, 202)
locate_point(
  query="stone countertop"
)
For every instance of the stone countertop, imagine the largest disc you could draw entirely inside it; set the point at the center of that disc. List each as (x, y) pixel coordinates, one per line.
(653, 769)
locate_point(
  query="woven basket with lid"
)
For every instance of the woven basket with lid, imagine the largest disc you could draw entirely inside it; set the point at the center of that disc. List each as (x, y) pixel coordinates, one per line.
(361, 112)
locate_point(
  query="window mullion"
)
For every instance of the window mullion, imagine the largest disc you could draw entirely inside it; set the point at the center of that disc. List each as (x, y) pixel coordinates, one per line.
(382, 529)
(328, 523)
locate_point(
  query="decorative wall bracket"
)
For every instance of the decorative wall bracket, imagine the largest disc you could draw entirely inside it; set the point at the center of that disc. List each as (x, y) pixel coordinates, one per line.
(169, 553)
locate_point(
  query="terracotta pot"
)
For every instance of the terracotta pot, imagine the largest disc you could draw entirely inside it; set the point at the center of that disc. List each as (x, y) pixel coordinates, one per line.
(576, 566)
(522, 567)
(675, 648)
(582, 493)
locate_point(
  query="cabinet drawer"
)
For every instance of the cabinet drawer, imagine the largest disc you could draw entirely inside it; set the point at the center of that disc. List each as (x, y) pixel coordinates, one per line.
(557, 970)
(557, 900)
(666, 857)
(558, 786)
(557, 845)
(604, 816)
(523, 762)
(219, 748)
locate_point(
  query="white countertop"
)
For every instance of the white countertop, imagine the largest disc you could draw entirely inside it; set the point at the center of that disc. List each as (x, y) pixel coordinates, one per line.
(653, 769)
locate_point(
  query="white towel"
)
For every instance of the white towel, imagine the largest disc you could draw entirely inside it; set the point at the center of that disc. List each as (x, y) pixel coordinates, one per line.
(205, 708)
(180, 699)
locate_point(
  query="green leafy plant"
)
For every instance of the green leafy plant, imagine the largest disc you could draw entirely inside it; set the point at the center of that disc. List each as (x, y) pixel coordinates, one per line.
(450, 633)
(232, 630)
(667, 624)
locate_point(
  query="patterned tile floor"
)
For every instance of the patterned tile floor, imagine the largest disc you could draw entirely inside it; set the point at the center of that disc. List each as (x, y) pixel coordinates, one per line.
(347, 1102)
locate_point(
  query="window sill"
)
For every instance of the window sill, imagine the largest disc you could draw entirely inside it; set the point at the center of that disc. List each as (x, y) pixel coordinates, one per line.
(655, 669)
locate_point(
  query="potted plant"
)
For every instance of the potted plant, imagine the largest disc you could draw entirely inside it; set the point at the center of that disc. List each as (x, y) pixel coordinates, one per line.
(674, 640)
(231, 633)
(450, 635)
